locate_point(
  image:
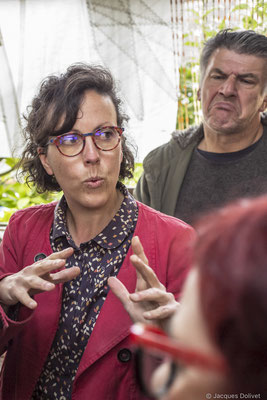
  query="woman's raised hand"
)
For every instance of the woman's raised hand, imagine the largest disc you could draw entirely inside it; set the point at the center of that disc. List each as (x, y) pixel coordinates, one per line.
(37, 278)
(150, 302)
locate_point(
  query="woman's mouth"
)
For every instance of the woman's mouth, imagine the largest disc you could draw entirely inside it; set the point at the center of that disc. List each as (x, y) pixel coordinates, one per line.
(94, 183)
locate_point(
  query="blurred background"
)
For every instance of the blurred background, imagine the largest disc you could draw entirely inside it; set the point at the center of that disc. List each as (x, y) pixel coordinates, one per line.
(152, 48)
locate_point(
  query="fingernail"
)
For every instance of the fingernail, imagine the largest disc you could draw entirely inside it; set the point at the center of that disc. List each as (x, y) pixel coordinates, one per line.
(147, 314)
(48, 285)
(135, 258)
(32, 304)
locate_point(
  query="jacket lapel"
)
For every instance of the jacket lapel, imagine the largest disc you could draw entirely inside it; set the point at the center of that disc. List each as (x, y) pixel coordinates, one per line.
(112, 325)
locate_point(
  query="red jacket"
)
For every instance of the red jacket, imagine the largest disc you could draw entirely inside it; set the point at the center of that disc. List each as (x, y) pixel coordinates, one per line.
(101, 374)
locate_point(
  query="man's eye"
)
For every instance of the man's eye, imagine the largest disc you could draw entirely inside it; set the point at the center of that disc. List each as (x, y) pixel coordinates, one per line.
(247, 81)
(217, 77)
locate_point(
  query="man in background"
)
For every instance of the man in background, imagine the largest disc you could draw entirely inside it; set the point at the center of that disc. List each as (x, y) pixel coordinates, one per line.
(226, 156)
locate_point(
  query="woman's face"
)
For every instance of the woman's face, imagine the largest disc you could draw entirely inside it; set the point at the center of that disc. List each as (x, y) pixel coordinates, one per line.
(89, 179)
(189, 328)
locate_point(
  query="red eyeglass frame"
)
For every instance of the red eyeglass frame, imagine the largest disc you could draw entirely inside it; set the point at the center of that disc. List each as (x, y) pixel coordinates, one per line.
(149, 336)
(54, 140)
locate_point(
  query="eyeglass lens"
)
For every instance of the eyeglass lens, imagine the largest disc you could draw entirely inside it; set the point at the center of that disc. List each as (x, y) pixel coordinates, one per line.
(155, 373)
(72, 143)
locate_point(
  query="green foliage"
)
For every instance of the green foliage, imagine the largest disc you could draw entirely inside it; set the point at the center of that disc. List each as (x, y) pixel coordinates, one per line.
(249, 21)
(138, 169)
(186, 110)
(15, 195)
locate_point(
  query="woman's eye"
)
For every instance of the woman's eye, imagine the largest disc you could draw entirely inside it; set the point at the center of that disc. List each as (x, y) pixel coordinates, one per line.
(106, 134)
(69, 139)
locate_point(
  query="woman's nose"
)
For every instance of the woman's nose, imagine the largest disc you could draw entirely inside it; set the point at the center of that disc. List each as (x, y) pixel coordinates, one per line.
(90, 152)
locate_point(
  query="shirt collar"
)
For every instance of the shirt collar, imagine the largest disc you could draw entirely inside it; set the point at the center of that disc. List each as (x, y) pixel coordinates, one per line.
(114, 233)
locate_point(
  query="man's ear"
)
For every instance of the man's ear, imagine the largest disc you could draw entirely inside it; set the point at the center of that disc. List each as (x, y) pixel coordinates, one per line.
(44, 160)
(264, 104)
(199, 94)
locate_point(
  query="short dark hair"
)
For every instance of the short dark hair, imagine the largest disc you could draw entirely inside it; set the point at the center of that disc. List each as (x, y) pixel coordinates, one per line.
(231, 257)
(242, 42)
(59, 99)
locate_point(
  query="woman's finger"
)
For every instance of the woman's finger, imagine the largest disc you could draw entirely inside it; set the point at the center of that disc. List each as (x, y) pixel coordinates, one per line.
(53, 261)
(146, 272)
(65, 275)
(63, 254)
(138, 250)
(162, 312)
(28, 301)
(24, 298)
(43, 267)
(118, 288)
(153, 294)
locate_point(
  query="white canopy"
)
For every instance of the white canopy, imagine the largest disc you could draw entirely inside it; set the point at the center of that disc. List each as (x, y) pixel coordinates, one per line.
(132, 38)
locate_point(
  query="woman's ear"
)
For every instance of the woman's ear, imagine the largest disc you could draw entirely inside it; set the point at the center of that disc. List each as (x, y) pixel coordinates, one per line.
(44, 160)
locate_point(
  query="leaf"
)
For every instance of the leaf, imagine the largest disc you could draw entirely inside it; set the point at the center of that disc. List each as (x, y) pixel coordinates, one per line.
(240, 7)
(7, 215)
(11, 162)
(191, 10)
(22, 203)
(10, 192)
(193, 44)
(207, 13)
(249, 23)
(222, 25)
(8, 203)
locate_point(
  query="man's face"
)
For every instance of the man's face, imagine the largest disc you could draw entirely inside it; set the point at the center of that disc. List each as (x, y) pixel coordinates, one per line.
(232, 92)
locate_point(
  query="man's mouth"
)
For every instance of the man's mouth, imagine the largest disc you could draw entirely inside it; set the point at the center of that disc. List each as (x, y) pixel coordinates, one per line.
(224, 106)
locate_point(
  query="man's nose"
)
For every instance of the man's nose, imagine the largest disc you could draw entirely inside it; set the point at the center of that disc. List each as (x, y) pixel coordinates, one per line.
(90, 152)
(228, 87)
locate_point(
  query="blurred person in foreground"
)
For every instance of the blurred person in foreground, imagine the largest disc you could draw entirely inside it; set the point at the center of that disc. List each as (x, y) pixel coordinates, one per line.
(64, 332)
(216, 344)
(224, 158)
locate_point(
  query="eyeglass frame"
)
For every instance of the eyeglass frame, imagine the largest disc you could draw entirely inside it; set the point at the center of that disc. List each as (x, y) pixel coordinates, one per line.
(151, 337)
(118, 129)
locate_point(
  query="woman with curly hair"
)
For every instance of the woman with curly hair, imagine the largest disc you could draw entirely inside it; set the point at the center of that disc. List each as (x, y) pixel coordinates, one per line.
(66, 335)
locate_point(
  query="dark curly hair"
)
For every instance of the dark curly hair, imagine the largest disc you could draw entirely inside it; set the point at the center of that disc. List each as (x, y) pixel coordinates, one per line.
(59, 99)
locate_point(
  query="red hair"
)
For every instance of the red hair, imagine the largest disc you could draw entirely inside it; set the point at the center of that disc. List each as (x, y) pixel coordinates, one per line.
(231, 255)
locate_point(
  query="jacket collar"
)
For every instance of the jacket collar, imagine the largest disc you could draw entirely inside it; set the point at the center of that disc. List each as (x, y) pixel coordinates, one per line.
(194, 134)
